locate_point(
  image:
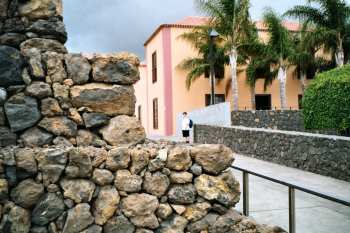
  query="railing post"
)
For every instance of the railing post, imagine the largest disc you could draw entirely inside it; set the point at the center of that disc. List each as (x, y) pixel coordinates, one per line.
(246, 193)
(291, 196)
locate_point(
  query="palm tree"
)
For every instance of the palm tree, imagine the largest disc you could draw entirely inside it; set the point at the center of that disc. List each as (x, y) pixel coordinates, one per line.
(279, 50)
(253, 53)
(330, 19)
(259, 68)
(200, 65)
(231, 19)
(305, 57)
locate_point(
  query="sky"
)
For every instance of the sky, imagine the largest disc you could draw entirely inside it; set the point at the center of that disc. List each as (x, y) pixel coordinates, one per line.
(124, 25)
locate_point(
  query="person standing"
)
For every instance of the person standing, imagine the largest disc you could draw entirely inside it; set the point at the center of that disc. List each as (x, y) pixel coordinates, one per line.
(186, 126)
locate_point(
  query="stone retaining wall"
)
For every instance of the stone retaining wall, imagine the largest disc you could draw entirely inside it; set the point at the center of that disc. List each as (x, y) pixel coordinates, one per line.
(322, 154)
(283, 120)
(143, 189)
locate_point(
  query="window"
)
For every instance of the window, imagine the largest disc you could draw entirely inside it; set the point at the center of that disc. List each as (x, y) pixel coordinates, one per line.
(139, 113)
(263, 102)
(219, 98)
(300, 101)
(155, 113)
(154, 67)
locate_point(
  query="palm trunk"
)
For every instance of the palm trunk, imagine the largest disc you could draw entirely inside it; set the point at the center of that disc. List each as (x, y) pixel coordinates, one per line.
(303, 81)
(282, 77)
(252, 97)
(339, 55)
(233, 63)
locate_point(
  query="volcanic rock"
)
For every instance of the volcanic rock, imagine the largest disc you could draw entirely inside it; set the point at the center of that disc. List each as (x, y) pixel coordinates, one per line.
(7, 138)
(50, 107)
(223, 189)
(27, 193)
(39, 90)
(18, 220)
(123, 131)
(59, 126)
(125, 181)
(139, 160)
(213, 158)
(80, 165)
(49, 207)
(56, 72)
(109, 99)
(36, 137)
(51, 162)
(182, 194)
(51, 28)
(22, 112)
(119, 224)
(78, 219)
(179, 159)
(38, 9)
(115, 69)
(78, 190)
(78, 68)
(156, 184)
(139, 205)
(12, 39)
(11, 63)
(25, 162)
(93, 120)
(34, 58)
(102, 177)
(105, 205)
(118, 158)
(43, 45)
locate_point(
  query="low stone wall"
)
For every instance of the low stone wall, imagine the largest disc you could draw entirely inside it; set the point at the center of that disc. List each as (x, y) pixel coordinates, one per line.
(143, 189)
(322, 154)
(282, 120)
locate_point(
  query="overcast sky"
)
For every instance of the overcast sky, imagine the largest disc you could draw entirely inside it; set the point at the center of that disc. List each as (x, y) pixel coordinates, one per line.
(124, 25)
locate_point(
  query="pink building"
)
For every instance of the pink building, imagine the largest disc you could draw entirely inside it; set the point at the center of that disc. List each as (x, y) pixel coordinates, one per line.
(162, 95)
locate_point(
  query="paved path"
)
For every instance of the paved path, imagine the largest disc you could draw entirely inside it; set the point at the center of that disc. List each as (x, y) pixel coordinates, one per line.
(269, 201)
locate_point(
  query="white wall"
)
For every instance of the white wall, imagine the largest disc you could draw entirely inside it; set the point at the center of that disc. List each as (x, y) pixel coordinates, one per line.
(217, 115)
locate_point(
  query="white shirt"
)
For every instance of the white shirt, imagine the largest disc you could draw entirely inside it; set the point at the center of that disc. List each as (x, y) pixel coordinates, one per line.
(186, 123)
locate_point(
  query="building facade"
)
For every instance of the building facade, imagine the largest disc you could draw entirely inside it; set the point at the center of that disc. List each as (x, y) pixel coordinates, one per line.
(162, 94)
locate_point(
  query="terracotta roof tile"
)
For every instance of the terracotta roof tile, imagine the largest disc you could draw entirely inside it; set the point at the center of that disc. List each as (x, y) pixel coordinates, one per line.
(291, 26)
(198, 20)
(192, 21)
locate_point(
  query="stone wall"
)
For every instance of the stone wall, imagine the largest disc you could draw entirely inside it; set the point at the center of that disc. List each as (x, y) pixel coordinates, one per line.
(48, 96)
(322, 154)
(282, 120)
(147, 188)
(73, 157)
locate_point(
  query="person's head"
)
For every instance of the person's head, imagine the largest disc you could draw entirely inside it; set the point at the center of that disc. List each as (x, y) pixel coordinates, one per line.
(184, 114)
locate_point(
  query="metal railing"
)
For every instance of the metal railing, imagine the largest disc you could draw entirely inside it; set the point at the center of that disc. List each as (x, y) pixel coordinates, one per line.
(291, 195)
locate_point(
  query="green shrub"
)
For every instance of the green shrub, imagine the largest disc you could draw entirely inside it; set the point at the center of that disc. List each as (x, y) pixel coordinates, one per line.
(326, 103)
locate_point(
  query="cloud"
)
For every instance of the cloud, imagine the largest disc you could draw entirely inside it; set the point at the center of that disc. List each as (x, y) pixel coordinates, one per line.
(124, 25)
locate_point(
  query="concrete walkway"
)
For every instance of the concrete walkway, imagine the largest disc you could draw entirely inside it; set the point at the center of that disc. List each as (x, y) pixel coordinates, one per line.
(269, 201)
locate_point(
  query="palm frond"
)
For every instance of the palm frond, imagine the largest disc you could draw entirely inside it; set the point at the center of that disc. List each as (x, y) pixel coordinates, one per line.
(307, 13)
(199, 66)
(195, 73)
(279, 37)
(330, 19)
